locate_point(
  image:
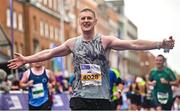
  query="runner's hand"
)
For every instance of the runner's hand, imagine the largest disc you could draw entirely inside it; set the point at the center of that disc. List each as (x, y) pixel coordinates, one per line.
(153, 82)
(163, 81)
(18, 61)
(168, 44)
(30, 83)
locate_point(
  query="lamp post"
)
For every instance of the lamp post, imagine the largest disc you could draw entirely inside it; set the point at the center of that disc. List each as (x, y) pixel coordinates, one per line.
(12, 32)
(62, 38)
(11, 27)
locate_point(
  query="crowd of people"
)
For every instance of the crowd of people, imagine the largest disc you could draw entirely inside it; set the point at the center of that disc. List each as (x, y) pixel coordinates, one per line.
(133, 94)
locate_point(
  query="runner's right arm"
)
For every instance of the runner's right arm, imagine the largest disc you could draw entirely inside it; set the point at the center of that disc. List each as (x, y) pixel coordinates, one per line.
(24, 83)
(61, 50)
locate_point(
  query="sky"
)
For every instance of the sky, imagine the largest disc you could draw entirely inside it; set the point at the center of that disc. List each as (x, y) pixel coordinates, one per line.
(156, 20)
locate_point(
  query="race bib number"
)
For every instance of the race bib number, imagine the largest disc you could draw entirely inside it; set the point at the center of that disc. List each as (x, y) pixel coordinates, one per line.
(38, 90)
(91, 74)
(162, 97)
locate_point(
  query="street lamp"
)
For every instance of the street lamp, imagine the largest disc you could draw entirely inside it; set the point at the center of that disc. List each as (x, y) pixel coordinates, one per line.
(12, 30)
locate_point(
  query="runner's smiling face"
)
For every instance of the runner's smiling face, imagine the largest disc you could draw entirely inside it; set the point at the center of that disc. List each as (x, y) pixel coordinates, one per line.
(159, 62)
(87, 21)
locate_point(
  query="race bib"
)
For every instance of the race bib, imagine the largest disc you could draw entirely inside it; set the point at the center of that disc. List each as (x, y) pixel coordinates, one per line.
(162, 97)
(38, 90)
(91, 74)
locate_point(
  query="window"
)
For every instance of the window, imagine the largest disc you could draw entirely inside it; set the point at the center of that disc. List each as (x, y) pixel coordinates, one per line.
(51, 32)
(14, 20)
(55, 5)
(41, 28)
(34, 1)
(34, 23)
(50, 3)
(45, 2)
(21, 48)
(72, 19)
(56, 33)
(46, 30)
(15, 47)
(40, 1)
(20, 22)
(59, 35)
(8, 19)
(9, 52)
(36, 46)
(58, 5)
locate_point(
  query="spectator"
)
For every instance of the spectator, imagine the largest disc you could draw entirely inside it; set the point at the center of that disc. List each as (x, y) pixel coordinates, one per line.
(134, 96)
(15, 85)
(5, 84)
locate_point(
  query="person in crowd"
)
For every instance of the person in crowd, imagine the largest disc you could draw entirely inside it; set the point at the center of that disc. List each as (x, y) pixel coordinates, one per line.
(134, 96)
(5, 84)
(39, 82)
(116, 86)
(15, 85)
(162, 78)
(176, 104)
(90, 60)
(59, 87)
(70, 83)
(176, 96)
(114, 75)
(147, 96)
(117, 98)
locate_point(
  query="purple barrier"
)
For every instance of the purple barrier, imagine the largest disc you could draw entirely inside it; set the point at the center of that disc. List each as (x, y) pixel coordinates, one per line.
(61, 101)
(13, 101)
(19, 101)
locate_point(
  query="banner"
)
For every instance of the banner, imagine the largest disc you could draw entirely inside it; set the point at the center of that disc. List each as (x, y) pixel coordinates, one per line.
(19, 101)
(58, 62)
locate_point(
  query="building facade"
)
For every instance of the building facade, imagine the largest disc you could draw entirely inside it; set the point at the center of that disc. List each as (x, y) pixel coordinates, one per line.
(43, 24)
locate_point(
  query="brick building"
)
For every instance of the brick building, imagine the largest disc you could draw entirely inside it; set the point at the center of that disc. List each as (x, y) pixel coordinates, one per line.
(42, 24)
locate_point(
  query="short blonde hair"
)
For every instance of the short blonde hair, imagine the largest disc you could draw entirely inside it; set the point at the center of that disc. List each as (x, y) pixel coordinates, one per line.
(89, 10)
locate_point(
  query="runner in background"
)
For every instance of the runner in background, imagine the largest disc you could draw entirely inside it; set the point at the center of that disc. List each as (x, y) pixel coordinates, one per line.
(116, 87)
(39, 82)
(162, 78)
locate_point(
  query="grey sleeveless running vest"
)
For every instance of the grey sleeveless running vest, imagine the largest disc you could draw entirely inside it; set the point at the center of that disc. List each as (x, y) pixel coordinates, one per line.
(90, 53)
